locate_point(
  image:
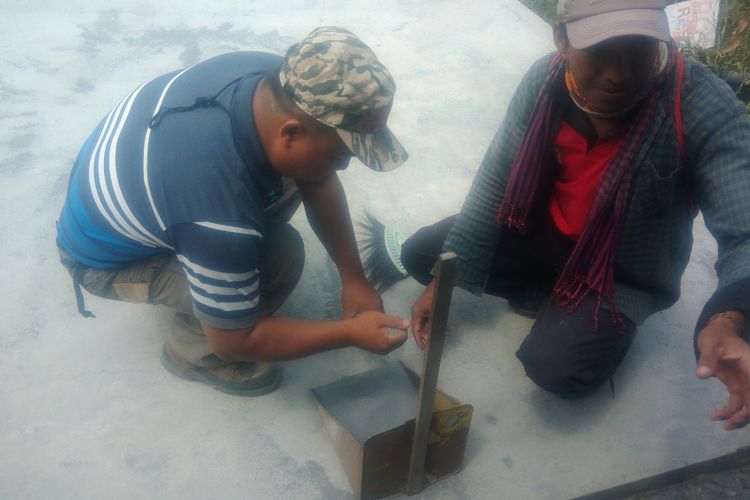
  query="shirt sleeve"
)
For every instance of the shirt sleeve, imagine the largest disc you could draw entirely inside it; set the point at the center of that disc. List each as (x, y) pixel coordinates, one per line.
(732, 297)
(221, 263)
(717, 133)
(474, 235)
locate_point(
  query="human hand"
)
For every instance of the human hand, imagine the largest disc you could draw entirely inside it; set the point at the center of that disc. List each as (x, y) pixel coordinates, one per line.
(725, 355)
(358, 296)
(420, 315)
(371, 330)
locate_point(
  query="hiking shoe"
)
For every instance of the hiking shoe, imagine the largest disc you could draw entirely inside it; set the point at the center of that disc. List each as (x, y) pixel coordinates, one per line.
(239, 379)
(528, 302)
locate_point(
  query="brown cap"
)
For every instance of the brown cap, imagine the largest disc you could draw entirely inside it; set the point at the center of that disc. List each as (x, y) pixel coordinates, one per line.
(589, 22)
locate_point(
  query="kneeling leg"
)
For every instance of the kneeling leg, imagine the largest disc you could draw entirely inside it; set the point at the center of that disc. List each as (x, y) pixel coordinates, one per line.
(563, 353)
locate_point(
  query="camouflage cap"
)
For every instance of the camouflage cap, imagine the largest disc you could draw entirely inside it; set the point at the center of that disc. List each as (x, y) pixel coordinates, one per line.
(337, 79)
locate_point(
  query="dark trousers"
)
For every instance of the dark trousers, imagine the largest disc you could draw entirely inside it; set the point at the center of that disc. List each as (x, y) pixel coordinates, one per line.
(562, 353)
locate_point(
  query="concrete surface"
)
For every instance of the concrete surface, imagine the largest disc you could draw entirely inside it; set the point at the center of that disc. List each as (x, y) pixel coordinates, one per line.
(88, 412)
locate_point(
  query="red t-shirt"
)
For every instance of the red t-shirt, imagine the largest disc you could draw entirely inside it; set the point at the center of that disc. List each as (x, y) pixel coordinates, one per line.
(581, 168)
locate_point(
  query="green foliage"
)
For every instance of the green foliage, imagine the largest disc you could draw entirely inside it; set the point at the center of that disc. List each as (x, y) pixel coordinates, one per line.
(546, 9)
(730, 58)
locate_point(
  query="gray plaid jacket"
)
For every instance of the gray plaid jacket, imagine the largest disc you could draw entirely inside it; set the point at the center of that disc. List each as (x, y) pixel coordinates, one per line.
(655, 245)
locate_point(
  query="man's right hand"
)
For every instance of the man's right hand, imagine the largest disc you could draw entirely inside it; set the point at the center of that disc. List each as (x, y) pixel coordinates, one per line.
(420, 315)
(373, 331)
(725, 355)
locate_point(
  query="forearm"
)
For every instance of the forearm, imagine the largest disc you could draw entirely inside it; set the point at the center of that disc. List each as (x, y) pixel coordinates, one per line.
(279, 338)
(328, 213)
(731, 323)
(728, 303)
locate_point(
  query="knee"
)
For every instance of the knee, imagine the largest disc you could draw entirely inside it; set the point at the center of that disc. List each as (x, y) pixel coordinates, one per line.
(565, 355)
(284, 254)
(409, 256)
(282, 234)
(295, 252)
(291, 238)
(420, 251)
(557, 372)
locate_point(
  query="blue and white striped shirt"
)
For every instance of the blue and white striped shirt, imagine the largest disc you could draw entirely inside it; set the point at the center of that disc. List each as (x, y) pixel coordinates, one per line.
(177, 166)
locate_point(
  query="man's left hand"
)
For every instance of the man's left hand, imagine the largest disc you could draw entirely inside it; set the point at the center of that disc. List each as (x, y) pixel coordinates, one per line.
(358, 296)
(725, 355)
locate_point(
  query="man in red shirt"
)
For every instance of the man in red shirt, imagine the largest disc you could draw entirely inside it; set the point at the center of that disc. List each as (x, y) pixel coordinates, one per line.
(580, 214)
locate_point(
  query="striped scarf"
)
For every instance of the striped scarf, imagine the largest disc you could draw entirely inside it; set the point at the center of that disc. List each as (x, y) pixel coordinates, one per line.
(590, 266)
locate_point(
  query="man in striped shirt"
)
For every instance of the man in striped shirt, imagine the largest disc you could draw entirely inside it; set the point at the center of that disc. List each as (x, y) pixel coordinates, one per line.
(182, 194)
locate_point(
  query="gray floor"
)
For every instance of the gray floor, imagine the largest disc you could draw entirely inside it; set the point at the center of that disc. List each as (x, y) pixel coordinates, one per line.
(88, 412)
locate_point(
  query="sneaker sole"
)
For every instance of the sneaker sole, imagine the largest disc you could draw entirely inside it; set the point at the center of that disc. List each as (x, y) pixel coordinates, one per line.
(198, 376)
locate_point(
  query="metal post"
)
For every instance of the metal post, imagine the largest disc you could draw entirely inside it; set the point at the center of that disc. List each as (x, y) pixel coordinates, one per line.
(446, 275)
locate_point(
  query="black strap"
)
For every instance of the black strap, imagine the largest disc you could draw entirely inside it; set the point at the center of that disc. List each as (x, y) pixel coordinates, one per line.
(200, 102)
(77, 276)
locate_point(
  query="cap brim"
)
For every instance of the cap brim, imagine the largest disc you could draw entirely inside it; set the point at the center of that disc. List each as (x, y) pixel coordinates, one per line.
(589, 31)
(379, 150)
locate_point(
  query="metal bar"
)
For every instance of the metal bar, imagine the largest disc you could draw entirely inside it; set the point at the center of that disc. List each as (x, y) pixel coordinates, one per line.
(441, 301)
(739, 458)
